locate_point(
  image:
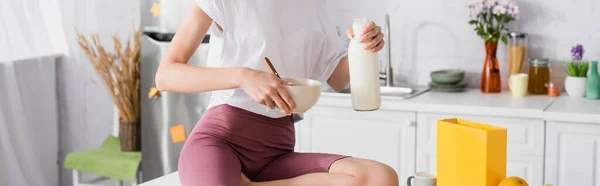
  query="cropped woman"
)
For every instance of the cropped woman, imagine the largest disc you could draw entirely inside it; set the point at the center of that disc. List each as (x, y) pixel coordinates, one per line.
(247, 136)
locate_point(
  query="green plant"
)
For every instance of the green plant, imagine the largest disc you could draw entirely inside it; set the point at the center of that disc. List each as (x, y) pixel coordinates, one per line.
(491, 16)
(577, 68)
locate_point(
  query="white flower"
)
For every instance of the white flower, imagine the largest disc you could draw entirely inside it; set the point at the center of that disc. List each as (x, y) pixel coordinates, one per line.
(490, 3)
(498, 10)
(514, 11)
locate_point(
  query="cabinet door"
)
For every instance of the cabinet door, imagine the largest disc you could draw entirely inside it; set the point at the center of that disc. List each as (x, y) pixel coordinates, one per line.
(525, 144)
(384, 136)
(572, 154)
(528, 167)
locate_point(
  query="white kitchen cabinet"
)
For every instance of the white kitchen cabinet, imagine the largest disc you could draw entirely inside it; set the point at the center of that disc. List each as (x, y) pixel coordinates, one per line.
(384, 135)
(525, 148)
(572, 154)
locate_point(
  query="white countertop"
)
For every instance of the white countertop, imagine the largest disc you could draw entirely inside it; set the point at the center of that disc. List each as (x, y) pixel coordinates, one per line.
(572, 109)
(169, 179)
(471, 102)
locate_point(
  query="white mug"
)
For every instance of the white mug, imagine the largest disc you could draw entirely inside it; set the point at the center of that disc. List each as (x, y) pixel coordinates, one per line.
(422, 179)
(518, 84)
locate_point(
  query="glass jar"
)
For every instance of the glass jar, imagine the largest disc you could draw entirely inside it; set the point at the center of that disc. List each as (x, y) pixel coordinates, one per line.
(517, 52)
(539, 75)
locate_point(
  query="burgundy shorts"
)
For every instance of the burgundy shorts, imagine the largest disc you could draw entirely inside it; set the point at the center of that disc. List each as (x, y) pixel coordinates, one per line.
(229, 140)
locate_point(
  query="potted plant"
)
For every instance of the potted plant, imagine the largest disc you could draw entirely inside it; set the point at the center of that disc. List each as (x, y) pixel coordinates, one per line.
(490, 18)
(575, 84)
(120, 72)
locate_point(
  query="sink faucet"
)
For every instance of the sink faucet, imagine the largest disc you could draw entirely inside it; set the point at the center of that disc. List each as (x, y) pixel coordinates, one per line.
(388, 74)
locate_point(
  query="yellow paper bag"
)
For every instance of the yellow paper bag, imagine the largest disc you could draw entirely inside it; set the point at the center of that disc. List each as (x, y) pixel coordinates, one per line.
(470, 153)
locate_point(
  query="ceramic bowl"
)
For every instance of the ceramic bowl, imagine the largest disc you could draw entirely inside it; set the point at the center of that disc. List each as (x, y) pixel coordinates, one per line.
(448, 87)
(451, 76)
(305, 92)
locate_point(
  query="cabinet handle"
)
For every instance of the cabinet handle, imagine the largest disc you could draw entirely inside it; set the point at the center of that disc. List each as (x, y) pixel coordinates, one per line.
(411, 123)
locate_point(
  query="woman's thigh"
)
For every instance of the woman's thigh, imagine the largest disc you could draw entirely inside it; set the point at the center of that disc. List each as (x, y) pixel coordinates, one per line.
(295, 164)
(208, 161)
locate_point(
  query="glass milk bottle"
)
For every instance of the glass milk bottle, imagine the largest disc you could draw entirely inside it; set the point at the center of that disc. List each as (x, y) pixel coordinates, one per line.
(364, 72)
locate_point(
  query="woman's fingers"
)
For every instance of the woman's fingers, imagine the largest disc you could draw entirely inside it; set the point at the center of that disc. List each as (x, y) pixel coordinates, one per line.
(375, 42)
(368, 36)
(370, 26)
(285, 83)
(350, 33)
(269, 102)
(285, 95)
(378, 47)
(281, 104)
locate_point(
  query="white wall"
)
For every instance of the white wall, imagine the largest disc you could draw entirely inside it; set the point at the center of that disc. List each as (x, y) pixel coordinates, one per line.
(86, 109)
(433, 34)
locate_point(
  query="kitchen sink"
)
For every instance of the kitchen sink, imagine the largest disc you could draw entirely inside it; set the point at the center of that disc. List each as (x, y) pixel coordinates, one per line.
(404, 92)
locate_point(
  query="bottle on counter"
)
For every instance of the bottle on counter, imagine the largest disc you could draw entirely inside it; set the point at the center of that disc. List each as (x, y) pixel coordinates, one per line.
(364, 72)
(593, 82)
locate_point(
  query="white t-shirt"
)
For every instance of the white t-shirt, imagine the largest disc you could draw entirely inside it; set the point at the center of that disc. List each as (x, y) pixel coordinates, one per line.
(297, 36)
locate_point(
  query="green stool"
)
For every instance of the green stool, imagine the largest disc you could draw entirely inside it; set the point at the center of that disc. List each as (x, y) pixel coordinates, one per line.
(107, 161)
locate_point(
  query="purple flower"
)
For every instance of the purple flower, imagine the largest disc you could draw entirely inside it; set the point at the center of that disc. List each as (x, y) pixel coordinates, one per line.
(577, 52)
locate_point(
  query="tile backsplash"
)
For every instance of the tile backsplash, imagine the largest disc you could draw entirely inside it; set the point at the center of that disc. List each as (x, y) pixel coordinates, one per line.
(428, 35)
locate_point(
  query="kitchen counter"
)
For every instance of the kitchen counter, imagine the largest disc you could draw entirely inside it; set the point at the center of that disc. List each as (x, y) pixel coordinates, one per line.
(572, 109)
(471, 101)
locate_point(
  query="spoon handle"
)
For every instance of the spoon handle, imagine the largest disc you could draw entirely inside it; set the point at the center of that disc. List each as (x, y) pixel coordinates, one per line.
(271, 67)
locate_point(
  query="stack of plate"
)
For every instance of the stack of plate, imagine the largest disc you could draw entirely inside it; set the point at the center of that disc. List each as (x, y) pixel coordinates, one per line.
(448, 80)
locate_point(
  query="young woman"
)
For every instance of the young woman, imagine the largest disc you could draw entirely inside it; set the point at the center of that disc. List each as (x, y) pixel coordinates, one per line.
(248, 131)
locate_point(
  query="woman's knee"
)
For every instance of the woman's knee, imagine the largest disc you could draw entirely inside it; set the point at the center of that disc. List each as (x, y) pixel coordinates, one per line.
(374, 173)
(380, 174)
(367, 172)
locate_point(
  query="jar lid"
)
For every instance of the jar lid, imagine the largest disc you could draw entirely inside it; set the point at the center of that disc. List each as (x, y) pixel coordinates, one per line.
(517, 35)
(537, 62)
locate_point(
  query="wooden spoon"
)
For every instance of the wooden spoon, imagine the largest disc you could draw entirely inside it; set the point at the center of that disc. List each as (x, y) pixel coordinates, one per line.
(271, 67)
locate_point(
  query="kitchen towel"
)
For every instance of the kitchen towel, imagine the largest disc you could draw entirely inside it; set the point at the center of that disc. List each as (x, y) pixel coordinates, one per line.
(107, 160)
(470, 153)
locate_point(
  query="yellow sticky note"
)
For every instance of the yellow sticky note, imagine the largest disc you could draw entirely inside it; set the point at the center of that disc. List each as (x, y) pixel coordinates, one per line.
(470, 153)
(155, 9)
(153, 93)
(178, 133)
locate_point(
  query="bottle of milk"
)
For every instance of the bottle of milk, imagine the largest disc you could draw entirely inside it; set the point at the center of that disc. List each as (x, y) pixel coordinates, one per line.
(364, 72)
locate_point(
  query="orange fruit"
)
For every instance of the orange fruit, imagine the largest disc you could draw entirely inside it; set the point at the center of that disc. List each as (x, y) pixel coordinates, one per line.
(513, 181)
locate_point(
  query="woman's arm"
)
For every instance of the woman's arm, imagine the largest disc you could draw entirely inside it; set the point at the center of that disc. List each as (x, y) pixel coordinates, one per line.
(174, 74)
(341, 75)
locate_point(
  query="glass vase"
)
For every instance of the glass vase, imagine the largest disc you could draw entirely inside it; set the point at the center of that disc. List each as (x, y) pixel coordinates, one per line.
(490, 77)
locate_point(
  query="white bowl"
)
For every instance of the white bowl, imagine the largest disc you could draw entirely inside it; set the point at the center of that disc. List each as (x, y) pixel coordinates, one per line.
(305, 92)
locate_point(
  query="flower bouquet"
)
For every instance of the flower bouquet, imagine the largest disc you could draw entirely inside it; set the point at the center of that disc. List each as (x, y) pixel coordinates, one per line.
(490, 18)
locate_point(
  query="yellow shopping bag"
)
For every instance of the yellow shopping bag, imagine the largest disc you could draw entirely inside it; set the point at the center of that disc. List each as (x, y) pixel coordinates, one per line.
(470, 153)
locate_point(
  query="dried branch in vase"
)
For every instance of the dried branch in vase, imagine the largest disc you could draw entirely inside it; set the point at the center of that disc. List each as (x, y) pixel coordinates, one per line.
(119, 70)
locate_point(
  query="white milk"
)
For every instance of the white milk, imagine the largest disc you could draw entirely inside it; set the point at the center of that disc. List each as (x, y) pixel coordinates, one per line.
(364, 72)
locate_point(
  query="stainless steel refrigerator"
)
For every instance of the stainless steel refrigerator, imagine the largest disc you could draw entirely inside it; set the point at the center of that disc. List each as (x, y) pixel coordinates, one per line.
(159, 153)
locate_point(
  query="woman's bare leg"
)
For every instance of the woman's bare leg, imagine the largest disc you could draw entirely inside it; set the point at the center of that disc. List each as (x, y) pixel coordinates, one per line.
(344, 172)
